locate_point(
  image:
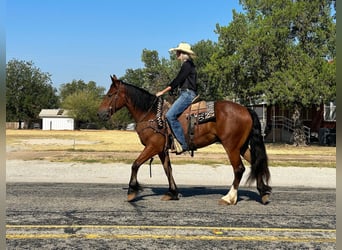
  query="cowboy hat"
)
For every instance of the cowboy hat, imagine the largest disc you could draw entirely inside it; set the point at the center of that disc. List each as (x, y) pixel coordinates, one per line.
(184, 47)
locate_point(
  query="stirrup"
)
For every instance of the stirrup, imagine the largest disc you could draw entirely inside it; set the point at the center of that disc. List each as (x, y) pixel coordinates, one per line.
(177, 146)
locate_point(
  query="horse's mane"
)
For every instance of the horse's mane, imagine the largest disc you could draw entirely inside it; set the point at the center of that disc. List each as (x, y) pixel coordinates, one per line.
(141, 98)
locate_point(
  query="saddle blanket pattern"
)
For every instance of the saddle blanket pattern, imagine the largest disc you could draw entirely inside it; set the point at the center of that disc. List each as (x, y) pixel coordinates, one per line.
(204, 114)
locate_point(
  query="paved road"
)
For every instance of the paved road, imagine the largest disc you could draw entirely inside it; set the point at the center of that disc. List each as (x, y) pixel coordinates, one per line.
(96, 216)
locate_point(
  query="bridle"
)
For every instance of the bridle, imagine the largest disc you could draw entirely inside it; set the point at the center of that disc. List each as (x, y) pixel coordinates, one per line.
(111, 109)
(157, 124)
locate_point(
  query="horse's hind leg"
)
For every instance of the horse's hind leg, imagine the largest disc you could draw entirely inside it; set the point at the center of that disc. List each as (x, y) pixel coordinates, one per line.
(231, 197)
(247, 155)
(264, 190)
(172, 194)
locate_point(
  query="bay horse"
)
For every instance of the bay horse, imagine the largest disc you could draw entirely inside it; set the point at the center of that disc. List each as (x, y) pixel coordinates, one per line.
(236, 127)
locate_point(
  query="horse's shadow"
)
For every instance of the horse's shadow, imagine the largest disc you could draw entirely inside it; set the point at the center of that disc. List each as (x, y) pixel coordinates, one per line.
(185, 192)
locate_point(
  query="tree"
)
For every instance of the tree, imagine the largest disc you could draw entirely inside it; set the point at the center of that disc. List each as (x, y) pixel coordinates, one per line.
(134, 77)
(279, 49)
(82, 100)
(28, 90)
(157, 72)
(155, 75)
(83, 106)
(68, 89)
(207, 87)
(306, 77)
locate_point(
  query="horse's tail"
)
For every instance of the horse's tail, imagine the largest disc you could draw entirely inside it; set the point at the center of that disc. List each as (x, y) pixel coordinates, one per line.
(259, 161)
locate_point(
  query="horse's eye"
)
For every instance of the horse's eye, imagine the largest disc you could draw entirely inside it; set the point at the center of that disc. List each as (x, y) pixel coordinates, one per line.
(110, 95)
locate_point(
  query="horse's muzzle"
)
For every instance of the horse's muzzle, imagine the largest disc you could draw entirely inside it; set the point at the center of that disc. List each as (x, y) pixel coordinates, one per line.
(103, 115)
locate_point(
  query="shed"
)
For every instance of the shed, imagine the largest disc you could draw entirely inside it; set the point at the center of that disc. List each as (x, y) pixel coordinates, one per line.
(56, 119)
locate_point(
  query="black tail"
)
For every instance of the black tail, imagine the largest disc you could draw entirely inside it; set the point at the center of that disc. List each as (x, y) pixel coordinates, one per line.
(259, 161)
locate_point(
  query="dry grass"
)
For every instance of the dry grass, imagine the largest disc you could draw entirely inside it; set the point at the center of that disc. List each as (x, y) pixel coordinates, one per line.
(124, 146)
(102, 141)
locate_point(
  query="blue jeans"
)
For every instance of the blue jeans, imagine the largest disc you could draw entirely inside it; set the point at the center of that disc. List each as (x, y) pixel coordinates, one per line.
(183, 101)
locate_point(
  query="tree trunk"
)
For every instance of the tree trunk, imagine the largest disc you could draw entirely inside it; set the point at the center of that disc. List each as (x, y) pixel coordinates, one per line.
(299, 138)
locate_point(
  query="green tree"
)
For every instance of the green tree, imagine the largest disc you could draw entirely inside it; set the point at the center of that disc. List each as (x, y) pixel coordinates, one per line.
(82, 100)
(68, 89)
(134, 77)
(278, 48)
(226, 70)
(207, 88)
(28, 90)
(157, 72)
(83, 106)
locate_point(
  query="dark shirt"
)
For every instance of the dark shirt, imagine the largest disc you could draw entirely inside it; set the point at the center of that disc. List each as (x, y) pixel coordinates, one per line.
(186, 78)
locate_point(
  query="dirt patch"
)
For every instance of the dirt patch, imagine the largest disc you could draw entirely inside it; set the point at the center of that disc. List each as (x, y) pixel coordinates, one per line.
(57, 142)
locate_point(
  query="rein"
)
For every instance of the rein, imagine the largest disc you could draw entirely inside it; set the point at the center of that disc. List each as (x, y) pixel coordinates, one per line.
(159, 109)
(148, 111)
(157, 124)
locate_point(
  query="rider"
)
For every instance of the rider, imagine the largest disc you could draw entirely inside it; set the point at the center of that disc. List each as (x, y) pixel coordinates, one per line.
(186, 81)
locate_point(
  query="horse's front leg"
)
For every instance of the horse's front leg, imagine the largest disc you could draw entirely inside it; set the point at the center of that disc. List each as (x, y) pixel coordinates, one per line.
(134, 187)
(172, 194)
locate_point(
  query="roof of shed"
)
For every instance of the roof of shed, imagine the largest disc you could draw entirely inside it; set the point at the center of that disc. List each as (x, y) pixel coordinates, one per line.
(54, 113)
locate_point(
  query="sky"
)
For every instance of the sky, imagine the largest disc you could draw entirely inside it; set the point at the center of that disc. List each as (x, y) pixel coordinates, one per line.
(91, 39)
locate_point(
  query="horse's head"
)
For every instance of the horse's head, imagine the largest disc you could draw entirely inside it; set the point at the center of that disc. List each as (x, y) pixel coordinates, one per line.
(113, 100)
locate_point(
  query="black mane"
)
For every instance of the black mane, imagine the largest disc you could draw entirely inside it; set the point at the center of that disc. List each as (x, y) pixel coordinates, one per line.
(141, 98)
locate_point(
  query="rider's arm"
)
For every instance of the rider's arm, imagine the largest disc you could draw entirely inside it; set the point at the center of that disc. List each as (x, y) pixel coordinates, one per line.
(180, 78)
(160, 93)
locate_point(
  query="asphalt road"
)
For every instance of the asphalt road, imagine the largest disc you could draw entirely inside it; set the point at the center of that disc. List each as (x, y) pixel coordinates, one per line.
(97, 216)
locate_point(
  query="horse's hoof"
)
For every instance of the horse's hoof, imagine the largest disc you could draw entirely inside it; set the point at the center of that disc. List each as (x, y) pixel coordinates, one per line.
(224, 202)
(170, 197)
(166, 198)
(265, 199)
(131, 196)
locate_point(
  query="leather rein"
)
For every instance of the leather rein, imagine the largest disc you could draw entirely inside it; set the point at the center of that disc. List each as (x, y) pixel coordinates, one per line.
(157, 124)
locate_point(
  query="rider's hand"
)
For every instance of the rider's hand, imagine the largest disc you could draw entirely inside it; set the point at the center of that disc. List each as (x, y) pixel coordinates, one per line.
(168, 88)
(160, 93)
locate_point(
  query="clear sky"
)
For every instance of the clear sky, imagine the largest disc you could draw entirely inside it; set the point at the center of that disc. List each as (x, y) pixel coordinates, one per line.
(91, 39)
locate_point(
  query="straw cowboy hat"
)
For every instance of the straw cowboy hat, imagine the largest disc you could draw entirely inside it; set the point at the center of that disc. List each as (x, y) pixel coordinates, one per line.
(185, 47)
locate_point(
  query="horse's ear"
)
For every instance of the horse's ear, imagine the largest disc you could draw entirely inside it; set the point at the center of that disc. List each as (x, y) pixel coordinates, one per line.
(113, 77)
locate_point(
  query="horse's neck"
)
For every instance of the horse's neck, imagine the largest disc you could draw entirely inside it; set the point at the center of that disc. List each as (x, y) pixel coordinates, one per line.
(139, 115)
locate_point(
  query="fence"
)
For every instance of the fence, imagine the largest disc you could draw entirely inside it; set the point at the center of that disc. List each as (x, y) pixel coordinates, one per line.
(15, 125)
(286, 124)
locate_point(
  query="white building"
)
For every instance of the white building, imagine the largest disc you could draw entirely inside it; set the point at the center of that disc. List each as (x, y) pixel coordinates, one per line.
(56, 119)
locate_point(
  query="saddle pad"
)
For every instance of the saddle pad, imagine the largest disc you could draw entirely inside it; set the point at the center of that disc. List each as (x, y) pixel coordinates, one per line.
(198, 105)
(203, 111)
